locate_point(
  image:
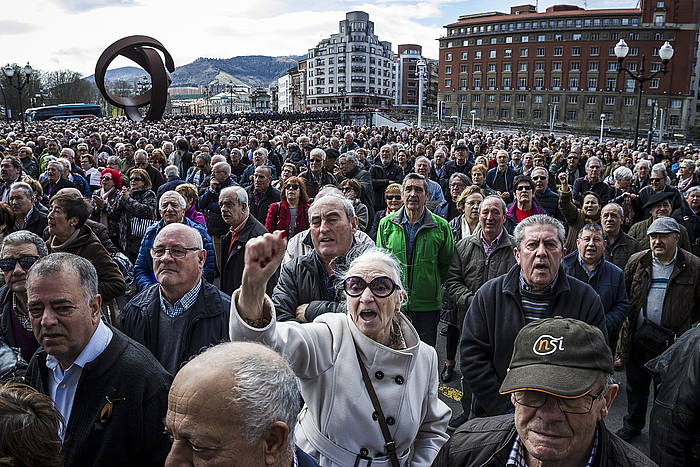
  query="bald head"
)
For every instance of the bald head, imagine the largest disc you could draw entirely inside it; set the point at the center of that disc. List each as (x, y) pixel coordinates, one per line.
(243, 398)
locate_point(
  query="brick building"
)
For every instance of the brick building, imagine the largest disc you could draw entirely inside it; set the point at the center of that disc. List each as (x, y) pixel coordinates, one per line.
(406, 77)
(351, 69)
(526, 65)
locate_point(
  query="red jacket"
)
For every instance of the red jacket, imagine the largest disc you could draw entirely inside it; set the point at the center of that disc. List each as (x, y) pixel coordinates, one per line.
(279, 217)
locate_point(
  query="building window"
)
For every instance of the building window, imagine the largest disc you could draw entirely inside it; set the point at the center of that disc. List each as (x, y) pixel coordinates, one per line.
(556, 66)
(540, 52)
(477, 55)
(558, 51)
(628, 101)
(448, 57)
(554, 99)
(448, 69)
(537, 99)
(464, 55)
(571, 115)
(505, 98)
(634, 51)
(659, 4)
(492, 54)
(525, 39)
(629, 85)
(573, 83)
(476, 98)
(676, 103)
(576, 51)
(610, 84)
(659, 20)
(595, 36)
(539, 66)
(479, 42)
(522, 98)
(537, 114)
(509, 39)
(491, 98)
(492, 67)
(491, 83)
(477, 83)
(576, 37)
(477, 67)
(654, 83)
(520, 113)
(507, 67)
(674, 120)
(592, 84)
(522, 82)
(611, 51)
(463, 68)
(448, 97)
(591, 100)
(541, 38)
(574, 66)
(612, 66)
(539, 82)
(609, 100)
(573, 100)
(592, 66)
(506, 83)
(462, 84)
(463, 98)
(595, 51)
(558, 37)
(614, 36)
(556, 83)
(507, 53)
(505, 113)
(658, 36)
(523, 52)
(448, 82)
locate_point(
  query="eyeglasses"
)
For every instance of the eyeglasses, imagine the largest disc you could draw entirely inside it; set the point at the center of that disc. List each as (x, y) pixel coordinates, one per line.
(393, 197)
(136, 179)
(381, 286)
(572, 158)
(347, 189)
(578, 405)
(8, 264)
(539, 178)
(315, 160)
(176, 252)
(655, 180)
(106, 178)
(523, 188)
(292, 187)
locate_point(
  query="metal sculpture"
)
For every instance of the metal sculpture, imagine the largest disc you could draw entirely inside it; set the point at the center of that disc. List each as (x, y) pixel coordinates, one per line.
(144, 51)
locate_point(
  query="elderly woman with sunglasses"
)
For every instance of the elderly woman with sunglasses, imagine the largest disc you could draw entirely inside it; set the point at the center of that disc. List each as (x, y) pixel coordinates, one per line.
(291, 214)
(340, 425)
(137, 211)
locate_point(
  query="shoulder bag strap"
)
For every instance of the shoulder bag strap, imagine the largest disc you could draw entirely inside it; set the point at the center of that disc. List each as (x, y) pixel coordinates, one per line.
(389, 443)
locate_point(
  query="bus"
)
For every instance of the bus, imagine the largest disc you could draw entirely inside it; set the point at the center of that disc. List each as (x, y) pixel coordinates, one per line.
(63, 111)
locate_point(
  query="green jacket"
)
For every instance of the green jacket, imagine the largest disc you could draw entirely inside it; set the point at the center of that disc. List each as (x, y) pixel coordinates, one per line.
(432, 255)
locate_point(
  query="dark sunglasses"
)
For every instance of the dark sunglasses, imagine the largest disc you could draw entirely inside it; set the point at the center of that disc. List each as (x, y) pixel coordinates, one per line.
(523, 188)
(8, 264)
(393, 197)
(106, 178)
(381, 286)
(136, 179)
(292, 187)
(315, 160)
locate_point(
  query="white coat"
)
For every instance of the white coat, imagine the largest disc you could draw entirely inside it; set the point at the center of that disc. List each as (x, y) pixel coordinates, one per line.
(336, 424)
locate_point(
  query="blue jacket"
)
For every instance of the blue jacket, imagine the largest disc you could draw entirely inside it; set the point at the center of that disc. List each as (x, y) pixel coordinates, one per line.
(609, 285)
(143, 268)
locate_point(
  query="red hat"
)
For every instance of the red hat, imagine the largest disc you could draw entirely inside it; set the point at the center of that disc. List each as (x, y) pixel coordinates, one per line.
(116, 176)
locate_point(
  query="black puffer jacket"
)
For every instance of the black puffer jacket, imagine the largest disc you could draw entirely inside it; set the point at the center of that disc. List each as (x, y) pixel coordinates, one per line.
(232, 260)
(209, 204)
(487, 442)
(674, 425)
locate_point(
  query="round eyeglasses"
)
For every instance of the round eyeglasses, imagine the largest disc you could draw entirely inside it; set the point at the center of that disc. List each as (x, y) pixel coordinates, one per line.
(578, 405)
(381, 286)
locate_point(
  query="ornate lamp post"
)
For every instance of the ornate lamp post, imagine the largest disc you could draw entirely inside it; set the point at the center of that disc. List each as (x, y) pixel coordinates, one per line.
(421, 66)
(602, 122)
(27, 71)
(473, 114)
(621, 51)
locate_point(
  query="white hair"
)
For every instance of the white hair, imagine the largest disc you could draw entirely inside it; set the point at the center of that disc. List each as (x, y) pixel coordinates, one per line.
(318, 152)
(239, 192)
(180, 199)
(172, 171)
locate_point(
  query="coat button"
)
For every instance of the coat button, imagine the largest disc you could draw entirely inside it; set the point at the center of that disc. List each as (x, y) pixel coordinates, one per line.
(375, 416)
(390, 420)
(398, 379)
(379, 375)
(364, 452)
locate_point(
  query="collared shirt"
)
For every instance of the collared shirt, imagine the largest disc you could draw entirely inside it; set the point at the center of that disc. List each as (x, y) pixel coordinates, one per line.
(490, 247)
(24, 222)
(235, 231)
(179, 307)
(591, 272)
(63, 384)
(411, 231)
(517, 453)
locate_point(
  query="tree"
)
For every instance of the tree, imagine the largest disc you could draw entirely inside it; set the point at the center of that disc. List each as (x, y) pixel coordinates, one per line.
(66, 87)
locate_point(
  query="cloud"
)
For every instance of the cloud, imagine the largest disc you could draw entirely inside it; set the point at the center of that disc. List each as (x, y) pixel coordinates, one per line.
(9, 27)
(78, 6)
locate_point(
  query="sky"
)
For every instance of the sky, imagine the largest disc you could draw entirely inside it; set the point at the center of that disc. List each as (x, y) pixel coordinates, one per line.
(71, 34)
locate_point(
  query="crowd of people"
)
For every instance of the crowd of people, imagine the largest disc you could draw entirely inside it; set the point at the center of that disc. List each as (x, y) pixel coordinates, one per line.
(145, 263)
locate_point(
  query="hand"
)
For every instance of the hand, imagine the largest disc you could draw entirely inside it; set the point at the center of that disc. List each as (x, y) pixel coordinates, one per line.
(564, 181)
(263, 255)
(301, 312)
(214, 184)
(125, 193)
(99, 202)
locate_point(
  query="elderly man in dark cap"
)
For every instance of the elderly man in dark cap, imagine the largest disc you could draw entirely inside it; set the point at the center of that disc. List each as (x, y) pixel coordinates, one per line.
(659, 205)
(662, 285)
(559, 381)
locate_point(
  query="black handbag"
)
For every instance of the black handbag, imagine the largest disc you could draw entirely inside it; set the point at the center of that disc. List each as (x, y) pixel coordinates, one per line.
(389, 443)
(653, 337)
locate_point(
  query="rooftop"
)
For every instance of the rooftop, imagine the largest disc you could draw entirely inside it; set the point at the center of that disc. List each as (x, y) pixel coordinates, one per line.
(495, 16)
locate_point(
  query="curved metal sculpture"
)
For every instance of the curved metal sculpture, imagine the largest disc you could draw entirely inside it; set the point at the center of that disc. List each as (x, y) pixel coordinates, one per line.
(142, 50)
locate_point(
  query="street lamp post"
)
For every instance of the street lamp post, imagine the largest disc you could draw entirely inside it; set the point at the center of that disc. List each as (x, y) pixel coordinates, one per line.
(552, 116)
(421, 65)
(621, 51)
(473, 114)
(602, 122)
(27, 71)
(342, 105)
